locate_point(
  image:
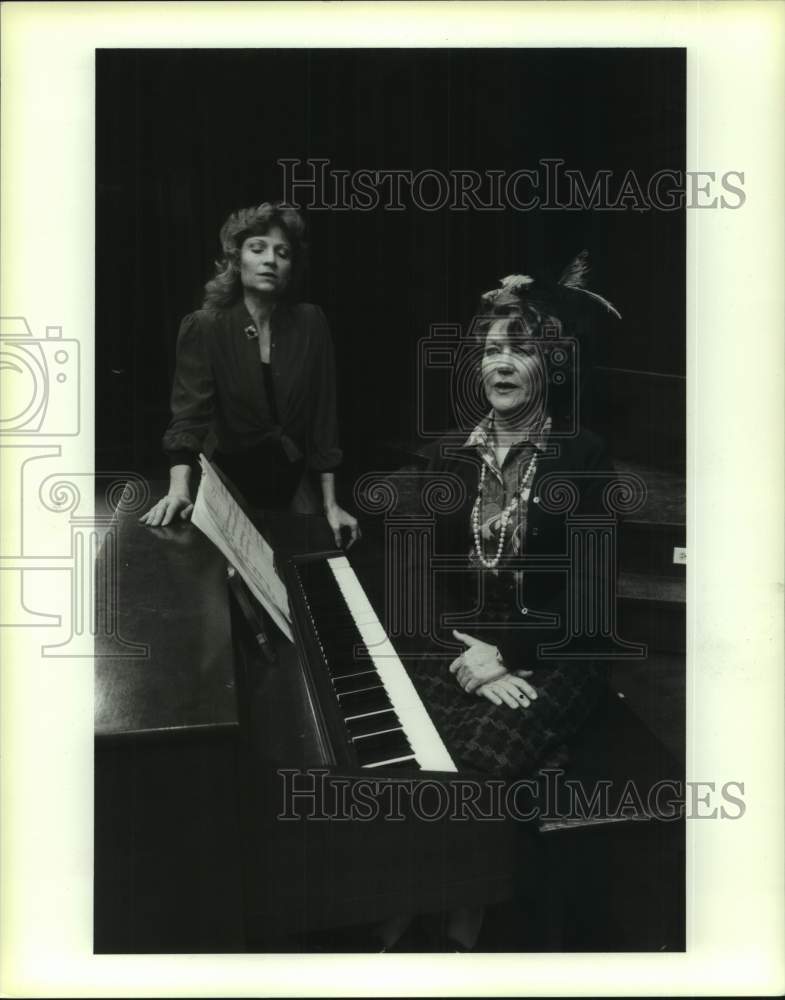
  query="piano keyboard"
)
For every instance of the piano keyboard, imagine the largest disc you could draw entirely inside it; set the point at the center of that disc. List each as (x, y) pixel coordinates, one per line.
(384, 718)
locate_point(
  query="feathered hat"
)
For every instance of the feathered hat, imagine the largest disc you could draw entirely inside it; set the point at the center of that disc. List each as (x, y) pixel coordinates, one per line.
(579, 312)
(568, 293)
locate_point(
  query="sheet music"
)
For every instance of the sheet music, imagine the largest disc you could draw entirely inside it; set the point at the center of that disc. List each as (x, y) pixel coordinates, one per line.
(217, 514)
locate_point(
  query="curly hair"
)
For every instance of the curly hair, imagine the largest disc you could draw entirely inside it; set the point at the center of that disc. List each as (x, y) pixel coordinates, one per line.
(225, 288)
(525, 318)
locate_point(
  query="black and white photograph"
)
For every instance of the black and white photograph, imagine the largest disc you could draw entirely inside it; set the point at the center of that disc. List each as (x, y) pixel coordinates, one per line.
(422, 312)
(392, 570)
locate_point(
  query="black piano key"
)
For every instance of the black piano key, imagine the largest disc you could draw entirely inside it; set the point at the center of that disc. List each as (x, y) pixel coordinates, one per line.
(328, 600)
(357, 682)
(341, 661)
(323, 587)
(344, 666)
(334, 613)
(371, 723)
(348, 642)
(315, 571)
(333, 620)
(402, 765)
(379, 722)
(382, 746)
(338, 638)
(362, 702)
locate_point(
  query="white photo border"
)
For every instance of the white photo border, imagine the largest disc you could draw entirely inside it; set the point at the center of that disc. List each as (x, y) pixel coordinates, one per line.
(736, 303)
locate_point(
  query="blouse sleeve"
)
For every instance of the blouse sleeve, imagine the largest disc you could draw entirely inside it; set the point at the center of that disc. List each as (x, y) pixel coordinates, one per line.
(192, 395)
(324, 453)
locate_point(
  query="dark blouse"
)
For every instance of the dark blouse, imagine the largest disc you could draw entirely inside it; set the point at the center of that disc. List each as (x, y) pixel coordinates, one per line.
(219, 384)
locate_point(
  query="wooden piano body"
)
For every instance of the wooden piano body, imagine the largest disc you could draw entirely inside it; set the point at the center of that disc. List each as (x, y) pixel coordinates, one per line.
(191, 740)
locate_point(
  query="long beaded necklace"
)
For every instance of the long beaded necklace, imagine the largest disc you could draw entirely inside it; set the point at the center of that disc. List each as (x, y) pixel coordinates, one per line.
(522, 492)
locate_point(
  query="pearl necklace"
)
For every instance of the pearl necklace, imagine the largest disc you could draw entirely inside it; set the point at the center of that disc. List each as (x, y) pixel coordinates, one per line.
(522, 492)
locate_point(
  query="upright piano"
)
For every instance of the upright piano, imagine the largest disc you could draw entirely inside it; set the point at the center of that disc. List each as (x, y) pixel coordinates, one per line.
(228, 759)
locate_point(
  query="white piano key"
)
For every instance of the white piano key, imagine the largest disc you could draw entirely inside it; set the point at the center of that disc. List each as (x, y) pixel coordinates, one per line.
(429, 750)
(392, 760)
(367, 715)
(379, 732)
(364, 618)
(351, 588)
(373, 635)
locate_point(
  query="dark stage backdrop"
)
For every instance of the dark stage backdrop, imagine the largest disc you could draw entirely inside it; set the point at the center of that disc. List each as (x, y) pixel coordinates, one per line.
(186, 136)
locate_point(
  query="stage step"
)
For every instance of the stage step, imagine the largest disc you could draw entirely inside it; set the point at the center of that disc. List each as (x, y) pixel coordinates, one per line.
(652, 609)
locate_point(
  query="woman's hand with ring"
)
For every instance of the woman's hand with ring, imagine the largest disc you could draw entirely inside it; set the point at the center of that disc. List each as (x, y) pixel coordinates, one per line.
(167, 509)
(479, 663)
(511, 689)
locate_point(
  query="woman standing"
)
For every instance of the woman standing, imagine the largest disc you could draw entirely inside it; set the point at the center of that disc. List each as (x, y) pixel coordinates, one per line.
(255, 376)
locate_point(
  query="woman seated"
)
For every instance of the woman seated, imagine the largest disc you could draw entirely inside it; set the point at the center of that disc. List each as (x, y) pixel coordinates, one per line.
(502, 707)
(255, 371)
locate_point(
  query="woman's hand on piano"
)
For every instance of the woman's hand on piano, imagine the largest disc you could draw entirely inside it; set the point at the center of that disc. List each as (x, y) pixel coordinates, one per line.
(338, 519)
(167, 509)
(479, 663)
(511, 689)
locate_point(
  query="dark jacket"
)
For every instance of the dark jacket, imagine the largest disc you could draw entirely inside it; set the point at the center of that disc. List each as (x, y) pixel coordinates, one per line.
(584, 463)
(219, 385)
(536, 606)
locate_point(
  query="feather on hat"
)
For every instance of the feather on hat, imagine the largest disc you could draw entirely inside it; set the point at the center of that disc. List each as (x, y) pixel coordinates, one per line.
(515, 287)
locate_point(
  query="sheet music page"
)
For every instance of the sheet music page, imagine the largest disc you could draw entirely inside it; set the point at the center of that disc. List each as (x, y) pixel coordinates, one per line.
(217, 514)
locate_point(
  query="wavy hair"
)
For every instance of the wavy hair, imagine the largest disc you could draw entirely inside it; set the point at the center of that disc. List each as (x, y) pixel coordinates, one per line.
(524, 318)
(225, 288)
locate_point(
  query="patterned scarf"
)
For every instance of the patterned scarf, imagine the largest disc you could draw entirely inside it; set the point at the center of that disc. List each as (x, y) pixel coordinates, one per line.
(502, 482)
